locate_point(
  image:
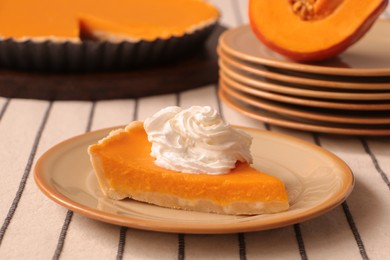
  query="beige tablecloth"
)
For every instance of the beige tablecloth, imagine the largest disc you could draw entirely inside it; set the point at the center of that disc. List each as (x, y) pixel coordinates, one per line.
(34, 227)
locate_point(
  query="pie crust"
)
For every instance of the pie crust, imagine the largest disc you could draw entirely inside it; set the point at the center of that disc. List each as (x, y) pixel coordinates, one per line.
(124, 168)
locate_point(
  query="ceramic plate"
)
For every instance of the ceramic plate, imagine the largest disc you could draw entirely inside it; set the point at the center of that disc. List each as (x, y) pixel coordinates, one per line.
(264, 73)
(368, 57)
(308, 102)
(325, 115)
(294, 122)
(317, 181)
(300, 91)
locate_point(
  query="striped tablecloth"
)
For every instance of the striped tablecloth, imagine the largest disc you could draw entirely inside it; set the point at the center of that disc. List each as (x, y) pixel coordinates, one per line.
(34, 227)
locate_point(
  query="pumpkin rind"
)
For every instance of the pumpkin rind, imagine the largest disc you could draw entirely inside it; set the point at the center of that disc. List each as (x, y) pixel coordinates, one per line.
(277, 26)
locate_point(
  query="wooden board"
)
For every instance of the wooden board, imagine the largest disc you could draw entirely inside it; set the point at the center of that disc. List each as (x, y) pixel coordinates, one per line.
(200, 69)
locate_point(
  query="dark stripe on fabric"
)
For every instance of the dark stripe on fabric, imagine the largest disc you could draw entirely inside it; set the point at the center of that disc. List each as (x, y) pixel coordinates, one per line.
(90, 117)
(181, 247)
(240, 236)
(301, 244)
(355, 231)
(64, 231)
(122, 243)
(219, 105)
(180, 237)
(123, 230)
(135, 112)
(69, 214)
(237, 13)
(297, 228)
(4, 108)
(349, 217)
(316, 139)
(241, 246)
(26, 174)
(375, 162)
(178, 99)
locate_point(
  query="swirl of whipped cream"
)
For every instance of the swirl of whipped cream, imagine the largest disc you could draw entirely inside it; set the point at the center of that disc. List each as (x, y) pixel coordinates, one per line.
(196, 140)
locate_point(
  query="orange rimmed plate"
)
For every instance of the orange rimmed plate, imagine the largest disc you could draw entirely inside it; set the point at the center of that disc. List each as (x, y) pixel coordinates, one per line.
(317, 181)
(318, 93)
(356, 105)
(368, 57)
(294, 122)
(289, 77)
(333, 117)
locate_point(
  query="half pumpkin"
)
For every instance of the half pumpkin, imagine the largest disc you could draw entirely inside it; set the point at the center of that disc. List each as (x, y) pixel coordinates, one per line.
(306, 30)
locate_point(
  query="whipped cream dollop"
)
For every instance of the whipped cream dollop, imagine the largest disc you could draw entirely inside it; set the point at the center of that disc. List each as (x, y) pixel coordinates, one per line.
(196, 140)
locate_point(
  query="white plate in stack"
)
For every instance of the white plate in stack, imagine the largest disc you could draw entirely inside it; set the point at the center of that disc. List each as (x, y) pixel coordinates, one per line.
(348, 95)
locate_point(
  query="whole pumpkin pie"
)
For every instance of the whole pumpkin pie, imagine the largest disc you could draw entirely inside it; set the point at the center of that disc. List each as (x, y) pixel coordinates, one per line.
(125, 168)
(125, 19)
(86, 35)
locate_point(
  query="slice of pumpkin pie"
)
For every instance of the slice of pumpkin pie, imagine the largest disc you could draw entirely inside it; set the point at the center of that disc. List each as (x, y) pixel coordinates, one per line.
(185, 159)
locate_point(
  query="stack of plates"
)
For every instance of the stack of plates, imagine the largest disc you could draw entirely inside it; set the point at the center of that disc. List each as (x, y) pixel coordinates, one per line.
(346, 95)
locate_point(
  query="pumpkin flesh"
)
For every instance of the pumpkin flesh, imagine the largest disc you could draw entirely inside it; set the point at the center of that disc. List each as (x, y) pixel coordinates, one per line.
(330, 28)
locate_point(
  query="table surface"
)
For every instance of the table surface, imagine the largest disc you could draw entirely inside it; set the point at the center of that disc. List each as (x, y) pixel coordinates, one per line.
(34, 227)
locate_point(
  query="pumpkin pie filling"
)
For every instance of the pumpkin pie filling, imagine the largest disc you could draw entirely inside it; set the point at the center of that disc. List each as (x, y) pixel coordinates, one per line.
(125, 168)
(133, 19)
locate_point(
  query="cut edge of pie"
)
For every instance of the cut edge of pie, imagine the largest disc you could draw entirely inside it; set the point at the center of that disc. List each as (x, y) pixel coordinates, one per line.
(176, 198)
(95, 28)
(91, 33)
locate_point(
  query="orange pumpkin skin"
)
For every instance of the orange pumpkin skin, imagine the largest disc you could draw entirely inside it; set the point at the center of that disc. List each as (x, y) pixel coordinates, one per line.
(323, 37)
